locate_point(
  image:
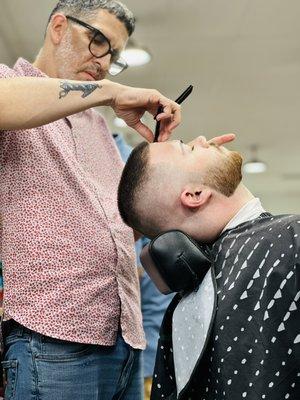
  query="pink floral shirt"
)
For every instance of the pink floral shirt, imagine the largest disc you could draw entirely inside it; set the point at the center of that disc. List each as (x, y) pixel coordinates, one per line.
(69, 263)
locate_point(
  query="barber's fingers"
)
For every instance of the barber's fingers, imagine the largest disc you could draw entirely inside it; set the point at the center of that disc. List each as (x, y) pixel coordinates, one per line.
(151, 100)
(130, 103)
(143, 130)
(223, 139)
(169, 106)
(169, 119)
(166, 128)
(170, 109)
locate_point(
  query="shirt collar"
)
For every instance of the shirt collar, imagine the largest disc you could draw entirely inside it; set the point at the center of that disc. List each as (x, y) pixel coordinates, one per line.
(250, 210)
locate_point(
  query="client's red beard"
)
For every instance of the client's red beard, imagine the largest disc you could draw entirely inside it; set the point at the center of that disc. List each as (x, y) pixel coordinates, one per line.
(225, 177)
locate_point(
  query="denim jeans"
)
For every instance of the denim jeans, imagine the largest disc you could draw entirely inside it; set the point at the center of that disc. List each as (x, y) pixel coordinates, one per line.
(42, 368)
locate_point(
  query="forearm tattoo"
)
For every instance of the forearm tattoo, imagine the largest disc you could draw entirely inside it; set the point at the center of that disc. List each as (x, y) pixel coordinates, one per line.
(85, 88)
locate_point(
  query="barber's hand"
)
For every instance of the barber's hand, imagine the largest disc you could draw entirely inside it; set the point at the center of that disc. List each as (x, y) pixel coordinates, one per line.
(130, 104)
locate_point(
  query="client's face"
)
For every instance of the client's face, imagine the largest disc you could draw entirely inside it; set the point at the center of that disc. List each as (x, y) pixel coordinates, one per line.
(217, 166)
(196, 155)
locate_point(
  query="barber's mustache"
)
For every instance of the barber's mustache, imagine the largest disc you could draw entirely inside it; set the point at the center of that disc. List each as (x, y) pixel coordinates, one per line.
(96, 71)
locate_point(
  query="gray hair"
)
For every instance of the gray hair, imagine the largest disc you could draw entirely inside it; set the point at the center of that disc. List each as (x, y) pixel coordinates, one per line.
(89, 8)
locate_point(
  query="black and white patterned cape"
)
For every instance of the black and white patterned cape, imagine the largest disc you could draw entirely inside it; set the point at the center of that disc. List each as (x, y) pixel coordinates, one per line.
(251, 344)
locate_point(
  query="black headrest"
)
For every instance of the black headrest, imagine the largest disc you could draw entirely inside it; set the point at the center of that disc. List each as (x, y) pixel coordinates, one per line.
(175, 262)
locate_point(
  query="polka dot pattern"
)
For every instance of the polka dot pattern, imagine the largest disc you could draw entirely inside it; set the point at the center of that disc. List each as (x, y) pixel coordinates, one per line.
(69, 263)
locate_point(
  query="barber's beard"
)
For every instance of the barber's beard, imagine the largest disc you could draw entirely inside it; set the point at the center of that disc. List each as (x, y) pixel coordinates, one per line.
(67, 58)
(226, 176)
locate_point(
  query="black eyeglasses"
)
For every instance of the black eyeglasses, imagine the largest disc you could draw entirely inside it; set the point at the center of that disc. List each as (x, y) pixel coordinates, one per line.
(100, 46)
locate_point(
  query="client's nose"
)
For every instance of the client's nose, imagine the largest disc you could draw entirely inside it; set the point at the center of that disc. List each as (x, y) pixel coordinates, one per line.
(200, 141)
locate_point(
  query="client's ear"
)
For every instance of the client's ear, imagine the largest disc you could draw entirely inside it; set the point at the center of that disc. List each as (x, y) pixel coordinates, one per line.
(195, 197)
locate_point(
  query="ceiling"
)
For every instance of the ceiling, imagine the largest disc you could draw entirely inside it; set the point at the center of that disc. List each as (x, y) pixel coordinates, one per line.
(243, 58)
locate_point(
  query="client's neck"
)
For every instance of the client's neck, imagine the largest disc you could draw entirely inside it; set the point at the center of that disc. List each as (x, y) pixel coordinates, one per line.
(235, 202)
(209, 223)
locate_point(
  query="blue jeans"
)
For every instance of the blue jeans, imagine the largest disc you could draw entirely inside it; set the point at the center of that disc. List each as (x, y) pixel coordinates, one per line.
(42, 368)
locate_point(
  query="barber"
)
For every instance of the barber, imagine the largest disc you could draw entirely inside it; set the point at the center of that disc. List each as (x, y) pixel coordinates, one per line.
(73, 324)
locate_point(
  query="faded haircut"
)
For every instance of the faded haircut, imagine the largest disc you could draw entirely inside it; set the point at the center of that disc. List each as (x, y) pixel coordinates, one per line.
(134, 175)
(88, 9)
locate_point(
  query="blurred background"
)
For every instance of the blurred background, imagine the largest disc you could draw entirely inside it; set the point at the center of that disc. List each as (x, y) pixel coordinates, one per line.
(243, 58)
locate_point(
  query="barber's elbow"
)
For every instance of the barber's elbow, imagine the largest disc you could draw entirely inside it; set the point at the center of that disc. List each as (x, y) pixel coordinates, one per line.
(137, 235)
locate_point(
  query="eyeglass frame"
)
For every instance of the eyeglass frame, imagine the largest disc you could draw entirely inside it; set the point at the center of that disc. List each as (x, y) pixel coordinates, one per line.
(96, 32)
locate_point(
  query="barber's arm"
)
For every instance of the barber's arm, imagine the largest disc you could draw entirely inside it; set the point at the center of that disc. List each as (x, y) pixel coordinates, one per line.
(137, 235)
(31, 102)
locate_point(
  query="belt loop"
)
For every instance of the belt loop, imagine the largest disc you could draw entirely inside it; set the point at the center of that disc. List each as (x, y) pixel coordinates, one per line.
(20, 331)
